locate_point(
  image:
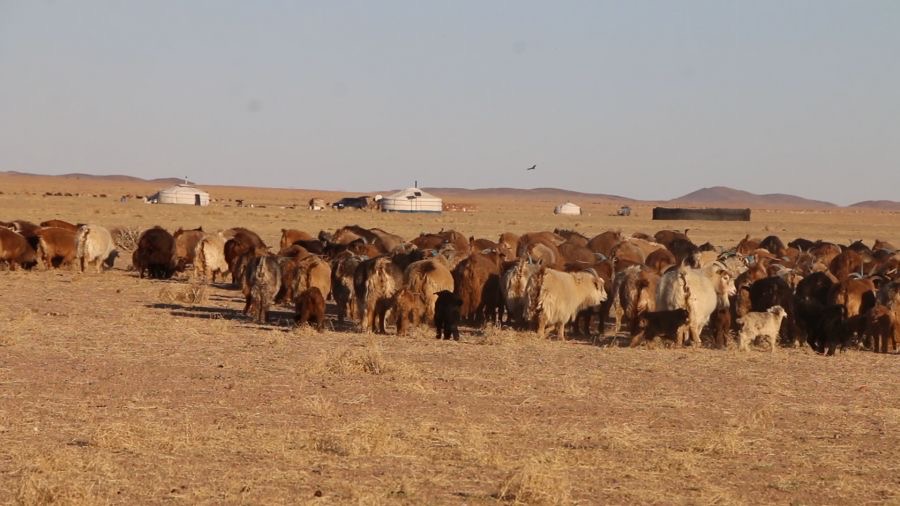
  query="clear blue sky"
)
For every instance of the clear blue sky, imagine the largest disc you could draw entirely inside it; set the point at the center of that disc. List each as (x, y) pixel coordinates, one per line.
(643, 99)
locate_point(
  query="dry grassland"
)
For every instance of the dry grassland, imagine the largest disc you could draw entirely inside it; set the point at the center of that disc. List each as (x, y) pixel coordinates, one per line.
(120, 390)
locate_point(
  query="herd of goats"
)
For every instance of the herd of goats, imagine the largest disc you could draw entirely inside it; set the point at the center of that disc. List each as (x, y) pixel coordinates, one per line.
(657, 287)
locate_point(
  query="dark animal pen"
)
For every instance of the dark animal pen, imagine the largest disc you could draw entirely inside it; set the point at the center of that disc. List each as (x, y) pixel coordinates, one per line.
(711, 214)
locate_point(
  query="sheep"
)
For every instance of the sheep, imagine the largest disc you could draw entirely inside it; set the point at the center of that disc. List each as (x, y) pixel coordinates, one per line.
(652, 324)
(755, 324)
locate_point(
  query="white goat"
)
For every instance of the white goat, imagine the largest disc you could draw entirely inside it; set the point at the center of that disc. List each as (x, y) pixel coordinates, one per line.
(766, 323)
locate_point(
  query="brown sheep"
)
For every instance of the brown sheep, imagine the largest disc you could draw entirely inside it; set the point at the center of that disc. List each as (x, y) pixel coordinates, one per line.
(846, 263)
(317, 273)
(475, 280)
(660, 260)
(375, 282)
(756, 272)
(747, 245)
(856, 295)
(427, 278)
(15, 250)
(633, 292)
(575, 253)
(572, 237)
(513, 282)
(342, 290)
(544, 236)
(652, 324)
(481, 244)
(57, 247)
(60, 224)
(720, 322)
(290, 271)
(442, 240)
(28, 230)
(294, 251)
(289, 236)
(263, 281)
(825, 252)
(665, 237)
(307, 272)
(883, 328)
(155, 253)
(626, 254)
(310, 308)
(243, 243)
(542, 252)
(409, 309)
(186, 247)
(508, 245)
(603, 243)
(384, 241)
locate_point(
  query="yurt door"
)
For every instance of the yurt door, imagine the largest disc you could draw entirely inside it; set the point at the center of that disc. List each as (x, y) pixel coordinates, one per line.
(196, 199)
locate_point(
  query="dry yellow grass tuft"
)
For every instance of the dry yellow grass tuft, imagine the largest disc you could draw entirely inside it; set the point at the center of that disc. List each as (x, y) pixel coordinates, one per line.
(192, 294)
(353, 360)
(125, 238)
(63, 477)
(539, 480)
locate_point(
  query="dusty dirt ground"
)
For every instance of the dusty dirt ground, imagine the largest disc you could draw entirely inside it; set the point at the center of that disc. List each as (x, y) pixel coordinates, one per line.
(112, 390)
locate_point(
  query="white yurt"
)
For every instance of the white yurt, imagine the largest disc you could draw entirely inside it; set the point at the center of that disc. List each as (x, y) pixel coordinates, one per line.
(412, 200)
(181, 194)
(567, 208)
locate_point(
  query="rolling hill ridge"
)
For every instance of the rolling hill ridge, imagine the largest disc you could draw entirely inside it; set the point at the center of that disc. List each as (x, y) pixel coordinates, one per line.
(714, 196)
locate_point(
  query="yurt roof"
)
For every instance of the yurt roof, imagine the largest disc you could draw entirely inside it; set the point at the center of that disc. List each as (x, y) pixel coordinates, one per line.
(412, 193)
(182, 188)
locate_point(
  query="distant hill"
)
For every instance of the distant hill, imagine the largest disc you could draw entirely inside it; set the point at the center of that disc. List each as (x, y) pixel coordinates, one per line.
(712, 196)
(884, 205)
(111, 177)
(722, 195)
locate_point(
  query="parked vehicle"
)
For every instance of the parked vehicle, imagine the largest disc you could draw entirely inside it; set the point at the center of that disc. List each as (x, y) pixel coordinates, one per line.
(351, 202)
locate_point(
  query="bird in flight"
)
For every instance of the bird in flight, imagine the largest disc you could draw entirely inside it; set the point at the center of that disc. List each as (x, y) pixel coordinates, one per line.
(532, 167)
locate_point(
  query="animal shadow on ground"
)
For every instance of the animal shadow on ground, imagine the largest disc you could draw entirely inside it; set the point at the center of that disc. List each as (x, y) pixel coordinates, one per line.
(611, 340)
(277, 318)
(204, 312)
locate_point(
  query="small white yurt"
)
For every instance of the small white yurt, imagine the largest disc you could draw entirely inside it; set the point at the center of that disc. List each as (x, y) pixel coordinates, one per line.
(567, 208)
(182, 194)
(412, 200)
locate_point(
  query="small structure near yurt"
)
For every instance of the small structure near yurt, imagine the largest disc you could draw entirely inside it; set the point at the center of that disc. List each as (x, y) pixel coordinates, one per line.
(412, 200)
(710, 214)
(316, 204)
(568, 209)
(180, 194)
